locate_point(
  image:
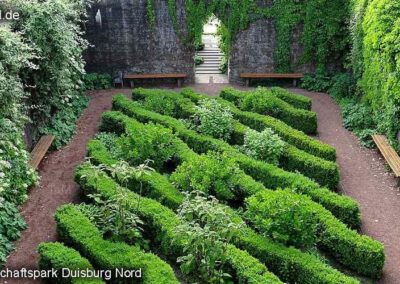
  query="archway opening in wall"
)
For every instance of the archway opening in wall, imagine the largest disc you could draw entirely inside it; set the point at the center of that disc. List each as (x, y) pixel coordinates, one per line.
(211, 53)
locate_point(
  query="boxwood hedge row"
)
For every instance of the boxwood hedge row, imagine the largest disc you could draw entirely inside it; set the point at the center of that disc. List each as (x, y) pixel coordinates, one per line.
(289, 264)
(343, 207)
(322, 171)
(260, 122)
(266, 103)
(161, 221)
(76, 230)
(296, 101)
(359, 253)
(57, 256)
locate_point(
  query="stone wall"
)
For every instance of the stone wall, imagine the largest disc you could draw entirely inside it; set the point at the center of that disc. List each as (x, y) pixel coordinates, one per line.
(253, 51)
(124, 41)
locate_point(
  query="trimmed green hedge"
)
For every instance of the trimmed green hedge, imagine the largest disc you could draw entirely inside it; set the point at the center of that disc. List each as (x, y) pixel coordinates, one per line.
(161, 221)
(266, 103)
(297, 101)
(358, 252)
(153, 184)
(57, 256)
(326, 173)
(76, 230)
(288, 263)
(260, 122)
(343, 207)
(345, 245)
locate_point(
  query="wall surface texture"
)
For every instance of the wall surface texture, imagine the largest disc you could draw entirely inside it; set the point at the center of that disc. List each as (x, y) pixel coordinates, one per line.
(124, 41)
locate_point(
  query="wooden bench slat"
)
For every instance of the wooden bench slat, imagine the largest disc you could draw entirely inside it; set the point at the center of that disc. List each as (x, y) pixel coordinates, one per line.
(390, 155)
(154, 76)
(40, 150)
(272, 75)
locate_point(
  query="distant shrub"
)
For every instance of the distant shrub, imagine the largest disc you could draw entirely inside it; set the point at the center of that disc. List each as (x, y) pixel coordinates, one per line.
(265, 145)
(214, 119)
(319, 82)
(342, 86)
(198, 60)
(284, 217)
(95, 81)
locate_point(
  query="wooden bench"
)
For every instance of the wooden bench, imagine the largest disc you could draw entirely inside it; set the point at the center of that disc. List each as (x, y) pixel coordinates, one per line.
(249, 76)
(40, 150)
(390, 155)
(179, 77)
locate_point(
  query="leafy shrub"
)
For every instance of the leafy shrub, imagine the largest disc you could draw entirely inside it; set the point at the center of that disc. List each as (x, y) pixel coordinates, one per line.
(15, 173)
(223, 66)
(62, 124)
(283, 217)
(95, 81)
(342, 85)
(213, 119)
(211, 174)
(319, 82)
(161, 103)
(198, 60)
(154, 143)
(208, 228)
(54, 29)
(264, 146)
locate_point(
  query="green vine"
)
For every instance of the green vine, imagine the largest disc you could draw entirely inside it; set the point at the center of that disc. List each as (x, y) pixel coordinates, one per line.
(325, 36)
(151, 13)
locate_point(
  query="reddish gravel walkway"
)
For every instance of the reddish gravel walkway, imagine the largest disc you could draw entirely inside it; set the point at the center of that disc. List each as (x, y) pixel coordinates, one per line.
(363, 177)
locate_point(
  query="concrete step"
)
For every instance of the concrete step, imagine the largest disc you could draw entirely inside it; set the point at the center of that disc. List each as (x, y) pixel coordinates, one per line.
(210, 53)
(209, 65)
(208, 72)
(207, 69)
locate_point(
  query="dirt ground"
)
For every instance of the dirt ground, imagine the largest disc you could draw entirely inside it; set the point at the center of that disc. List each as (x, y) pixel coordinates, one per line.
(363, 173)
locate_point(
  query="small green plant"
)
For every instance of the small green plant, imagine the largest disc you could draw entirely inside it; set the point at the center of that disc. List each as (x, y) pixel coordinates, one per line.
(265, 145)
(283, 216)
(207, 228)
(114, 218)
(211, 174)
(153, 143)
(198, 60)
(95, 81)
(319, 82)
(223, 67)
(214, 119)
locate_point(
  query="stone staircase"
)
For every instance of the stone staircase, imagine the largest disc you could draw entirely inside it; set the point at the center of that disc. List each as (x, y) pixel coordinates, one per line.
(212, 59)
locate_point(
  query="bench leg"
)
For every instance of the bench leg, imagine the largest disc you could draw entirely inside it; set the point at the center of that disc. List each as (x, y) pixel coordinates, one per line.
(179, 83)
(247, 82)
(132, 84)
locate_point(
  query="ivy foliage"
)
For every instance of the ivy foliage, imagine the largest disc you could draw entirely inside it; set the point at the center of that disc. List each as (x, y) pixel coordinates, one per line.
(53, 28)
(381, 76)
(325, 35)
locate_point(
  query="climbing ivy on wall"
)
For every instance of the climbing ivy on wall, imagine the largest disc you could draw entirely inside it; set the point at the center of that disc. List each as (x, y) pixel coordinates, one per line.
(381, 69)
(325, 34)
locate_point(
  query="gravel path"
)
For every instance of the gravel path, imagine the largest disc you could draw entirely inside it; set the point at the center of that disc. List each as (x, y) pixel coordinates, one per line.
(363, 177)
